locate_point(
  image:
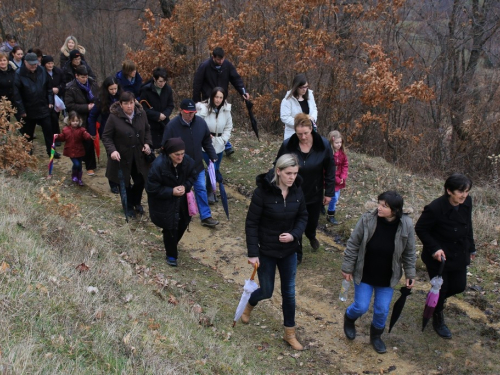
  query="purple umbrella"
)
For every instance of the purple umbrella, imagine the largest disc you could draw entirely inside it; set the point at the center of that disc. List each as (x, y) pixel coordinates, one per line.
(211, 174)
(433, 295)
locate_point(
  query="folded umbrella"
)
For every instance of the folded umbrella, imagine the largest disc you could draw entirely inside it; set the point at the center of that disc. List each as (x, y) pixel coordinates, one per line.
(223, 195)
(123, 191)
(253, 121)
(433, 295)
(398, 306)
(97, 145)
(249, 287)
(211, 174)
(52, 154)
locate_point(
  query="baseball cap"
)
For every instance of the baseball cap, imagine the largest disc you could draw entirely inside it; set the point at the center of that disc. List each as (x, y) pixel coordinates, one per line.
(31, 58)
(188, 106)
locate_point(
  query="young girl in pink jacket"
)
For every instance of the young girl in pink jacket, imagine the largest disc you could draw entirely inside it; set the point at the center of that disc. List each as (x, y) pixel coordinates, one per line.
(342, 166)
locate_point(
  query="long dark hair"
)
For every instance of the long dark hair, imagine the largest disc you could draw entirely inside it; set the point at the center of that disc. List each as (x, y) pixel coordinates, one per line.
(299, 80)
(14, 50)
(104, 95)
(211, 105)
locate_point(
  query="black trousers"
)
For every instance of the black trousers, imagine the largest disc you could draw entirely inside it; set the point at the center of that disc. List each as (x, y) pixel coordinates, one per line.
(135, 190)
(29, 125)
(89, 159)
(313, 211)
(171, 238)
(454, 282)
(54, 119)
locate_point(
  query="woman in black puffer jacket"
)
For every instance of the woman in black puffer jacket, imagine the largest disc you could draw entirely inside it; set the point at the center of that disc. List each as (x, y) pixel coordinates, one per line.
(276, 219)
(171, 176)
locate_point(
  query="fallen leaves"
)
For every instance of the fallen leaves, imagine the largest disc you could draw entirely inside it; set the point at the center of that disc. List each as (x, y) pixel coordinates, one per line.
(172, 300)
(82, 267)
(4, 267)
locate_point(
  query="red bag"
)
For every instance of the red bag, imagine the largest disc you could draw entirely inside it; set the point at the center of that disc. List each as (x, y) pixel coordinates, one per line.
(192, 206)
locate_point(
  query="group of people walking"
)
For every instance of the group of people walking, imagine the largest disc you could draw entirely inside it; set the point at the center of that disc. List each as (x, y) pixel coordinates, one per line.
(133, 120)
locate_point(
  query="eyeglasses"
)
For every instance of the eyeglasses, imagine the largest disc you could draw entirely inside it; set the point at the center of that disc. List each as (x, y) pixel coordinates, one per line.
(304, 87)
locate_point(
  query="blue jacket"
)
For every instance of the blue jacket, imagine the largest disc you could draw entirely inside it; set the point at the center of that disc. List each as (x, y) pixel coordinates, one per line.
(126, 85)
(195, 136)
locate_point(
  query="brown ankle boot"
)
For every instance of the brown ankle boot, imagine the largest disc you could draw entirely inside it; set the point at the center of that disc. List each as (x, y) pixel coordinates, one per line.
(291, 339)
(245, 317)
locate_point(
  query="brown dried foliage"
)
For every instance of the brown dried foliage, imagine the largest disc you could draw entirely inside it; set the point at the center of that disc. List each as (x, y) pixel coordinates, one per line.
(14, 148)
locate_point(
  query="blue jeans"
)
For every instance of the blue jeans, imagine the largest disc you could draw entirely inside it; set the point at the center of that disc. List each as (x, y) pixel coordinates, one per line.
(77, 164)
(287, 268)
(362, 298)
(200, 191)
(333, 202)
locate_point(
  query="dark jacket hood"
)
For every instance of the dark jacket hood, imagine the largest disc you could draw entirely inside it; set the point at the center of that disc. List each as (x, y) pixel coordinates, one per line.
(264, 181)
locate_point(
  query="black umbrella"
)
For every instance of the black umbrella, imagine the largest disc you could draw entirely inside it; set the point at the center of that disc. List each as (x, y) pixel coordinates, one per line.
(123, 191)
(252, 118)
(223, 195)
(398, 306)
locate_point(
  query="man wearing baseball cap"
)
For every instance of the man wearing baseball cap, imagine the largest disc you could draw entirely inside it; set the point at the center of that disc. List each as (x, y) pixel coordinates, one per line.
(193, 130)
(34, 99)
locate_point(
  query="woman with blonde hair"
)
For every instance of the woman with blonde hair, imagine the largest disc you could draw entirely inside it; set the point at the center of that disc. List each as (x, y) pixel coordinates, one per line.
(69, 45)
(276, 219)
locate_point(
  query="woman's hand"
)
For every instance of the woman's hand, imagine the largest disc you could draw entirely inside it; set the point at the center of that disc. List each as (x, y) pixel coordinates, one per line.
(254, 261)
(347, 276)
(146, 149)
(115, 155)
(55, 90)
(179, 191)
(162, 117)
(410, 283)
(285, 237)
(56, 135)
(438, 254)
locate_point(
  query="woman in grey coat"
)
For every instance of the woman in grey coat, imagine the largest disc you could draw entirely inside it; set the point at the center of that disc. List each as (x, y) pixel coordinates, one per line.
(380, 247)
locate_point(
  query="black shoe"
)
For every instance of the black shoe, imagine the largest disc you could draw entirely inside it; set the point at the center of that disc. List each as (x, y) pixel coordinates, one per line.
(57, 155)
(209, 222)
(229, 151)
(331, 219)
(115, 190)
(130, 214)
(211, 198)
(139, 209)
(375, 339)
(439, 325)
(349, 327)
(314, 244)
(171, 261)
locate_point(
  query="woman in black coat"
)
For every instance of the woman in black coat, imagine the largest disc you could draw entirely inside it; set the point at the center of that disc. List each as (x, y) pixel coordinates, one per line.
(276, 219)
(171, 176)
(317, 169)
(7, 73)
(445, 230)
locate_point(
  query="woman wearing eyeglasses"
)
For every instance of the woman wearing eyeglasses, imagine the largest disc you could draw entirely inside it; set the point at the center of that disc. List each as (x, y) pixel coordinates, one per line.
(298, 100)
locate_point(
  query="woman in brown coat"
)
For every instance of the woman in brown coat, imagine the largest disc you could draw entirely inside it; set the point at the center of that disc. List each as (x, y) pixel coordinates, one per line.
(127, 139)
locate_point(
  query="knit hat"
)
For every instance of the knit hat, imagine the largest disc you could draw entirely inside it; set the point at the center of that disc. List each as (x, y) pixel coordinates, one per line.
(81, 70)
(74, 54)
(188, 106)
(46, 59)
(31, 58)
(173, 145)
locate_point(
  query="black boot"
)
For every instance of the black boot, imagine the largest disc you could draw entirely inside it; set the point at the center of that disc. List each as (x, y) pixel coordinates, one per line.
(349, 327)
(375, 339)
(331, 218)
(439, 325)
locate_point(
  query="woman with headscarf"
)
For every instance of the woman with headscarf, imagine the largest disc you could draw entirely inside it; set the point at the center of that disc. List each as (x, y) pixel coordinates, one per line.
(170, 178)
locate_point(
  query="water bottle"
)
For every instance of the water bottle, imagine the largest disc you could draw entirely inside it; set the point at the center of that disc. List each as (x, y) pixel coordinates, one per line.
(343, 290)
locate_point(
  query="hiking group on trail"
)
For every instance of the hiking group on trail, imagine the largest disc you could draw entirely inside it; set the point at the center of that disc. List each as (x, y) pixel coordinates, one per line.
(132, 119)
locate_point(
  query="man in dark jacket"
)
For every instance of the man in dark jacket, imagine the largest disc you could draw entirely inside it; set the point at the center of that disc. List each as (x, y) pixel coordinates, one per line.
(217, 72)
(157, 101)
(34, 99)
(193, 130)
(57, 84)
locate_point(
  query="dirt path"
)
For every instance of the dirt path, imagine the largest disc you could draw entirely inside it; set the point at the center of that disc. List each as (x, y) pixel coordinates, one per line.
(319, 313)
